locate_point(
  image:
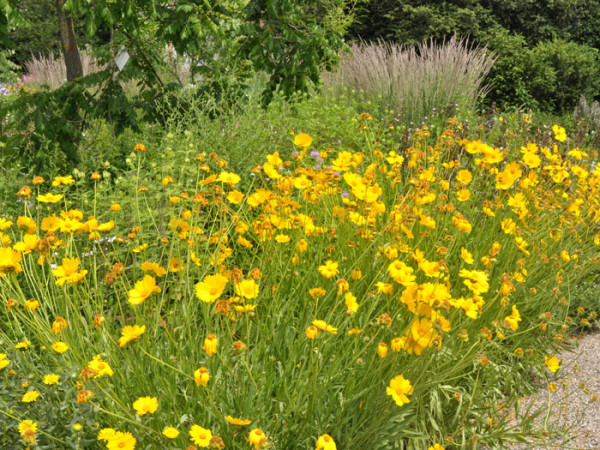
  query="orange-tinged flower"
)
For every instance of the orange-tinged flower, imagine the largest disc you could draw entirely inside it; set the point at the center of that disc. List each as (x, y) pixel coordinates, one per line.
(211, 288)
(257, 438)
(142, 290)
(400, 388)
(200, 436)
(210, 344)
(99, 368)
(27, 430)
(311, 332)
(201, 376)
(32, 304)
(145, 405)
(326, 442)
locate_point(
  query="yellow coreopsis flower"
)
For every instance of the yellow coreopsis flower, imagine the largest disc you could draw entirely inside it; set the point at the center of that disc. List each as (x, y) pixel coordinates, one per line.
(99, 367)
(211, 288)
(121, 441)
(3, 361)
(326, 442)
(552, 362)
(130, 333)
(257, 438)
(302, 140)
(559, 133)
(30, 396)
(400, 388)
(142, 290)
(51, 379)
(324, 326)
(210, 344)
(67, 273)
(247, 289)
(27, 430)
(145, 405)
(60, 347)
(351, 302)
(329, 270)
(170, 432)
(237, 421)
(201, 376)
(200, 436)
(50, 198)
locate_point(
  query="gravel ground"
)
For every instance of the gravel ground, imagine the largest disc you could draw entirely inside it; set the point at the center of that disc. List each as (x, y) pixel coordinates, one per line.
(572, 411)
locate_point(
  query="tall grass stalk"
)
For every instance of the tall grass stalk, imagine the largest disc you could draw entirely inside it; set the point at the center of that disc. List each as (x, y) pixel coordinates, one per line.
(413, 81)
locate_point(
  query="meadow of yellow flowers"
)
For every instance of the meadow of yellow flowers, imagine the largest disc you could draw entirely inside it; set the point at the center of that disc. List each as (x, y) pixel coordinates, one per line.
(387, 298)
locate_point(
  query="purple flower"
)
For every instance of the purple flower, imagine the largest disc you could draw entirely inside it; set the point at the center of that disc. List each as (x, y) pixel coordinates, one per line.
(345, 194)
(317, 166)
(314, 153)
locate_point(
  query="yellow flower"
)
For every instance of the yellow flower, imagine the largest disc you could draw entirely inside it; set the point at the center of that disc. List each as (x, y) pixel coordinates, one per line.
(32, 304)
(170, 432)
(552, 362)
(247, 289)
(382, 349)
(201, 376)
(60, 347)
(49, 198)
(3, 361)
(211, 288)
(23, 345)
(326, 442)
(257, 438)
(228, 178)
(466, 255)
(105, 434)
(400, 388)
(27, 430)
(235, 197)
(559, 133)
(99, 367)
(10, 261)
(210, 344)
(351, 302)
(121, 441)
(67, 272)
(30, 396)
(50, 379)
(200, 436)
(59, 324)
(401, 273)
(145, 405)
(436, 447)
(130, 333)
(142, 290)
(282, 238)
(63, 180)
(324, 326)
(464, 177)
(155, 268)
(311, 332)
(237, 421)
(329, 270)
(302, 140)
(513, 320)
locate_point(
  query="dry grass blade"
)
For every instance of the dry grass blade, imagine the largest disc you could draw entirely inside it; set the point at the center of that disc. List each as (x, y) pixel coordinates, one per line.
(414, 80)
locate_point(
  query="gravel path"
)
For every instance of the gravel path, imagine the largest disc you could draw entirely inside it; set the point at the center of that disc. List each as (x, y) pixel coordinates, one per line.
(572, 411)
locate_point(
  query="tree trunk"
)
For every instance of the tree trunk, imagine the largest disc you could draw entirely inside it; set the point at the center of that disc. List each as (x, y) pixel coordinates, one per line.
(68, 43)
